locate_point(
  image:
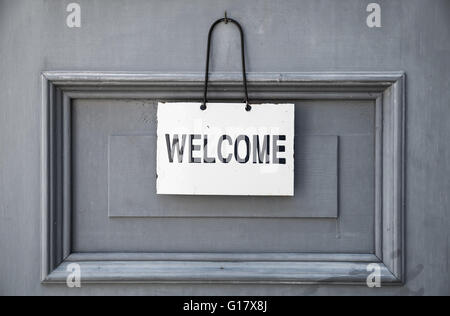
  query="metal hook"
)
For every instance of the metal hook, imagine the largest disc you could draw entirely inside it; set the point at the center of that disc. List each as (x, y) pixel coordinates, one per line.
(244, 75)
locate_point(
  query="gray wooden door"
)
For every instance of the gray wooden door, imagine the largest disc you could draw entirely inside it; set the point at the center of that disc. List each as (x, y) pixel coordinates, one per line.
(78, 146)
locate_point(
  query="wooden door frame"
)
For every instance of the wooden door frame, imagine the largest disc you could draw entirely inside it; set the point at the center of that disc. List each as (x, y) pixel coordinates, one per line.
(386, 89)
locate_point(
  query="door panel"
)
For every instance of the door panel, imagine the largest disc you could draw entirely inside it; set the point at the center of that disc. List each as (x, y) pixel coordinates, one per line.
(169, 37)
(116, 207)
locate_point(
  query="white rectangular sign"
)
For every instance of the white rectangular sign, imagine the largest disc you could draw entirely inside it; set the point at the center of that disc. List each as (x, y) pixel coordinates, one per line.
(225, 150)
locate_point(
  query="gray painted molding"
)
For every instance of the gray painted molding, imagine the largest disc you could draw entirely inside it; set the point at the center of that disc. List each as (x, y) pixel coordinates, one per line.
(387, 89)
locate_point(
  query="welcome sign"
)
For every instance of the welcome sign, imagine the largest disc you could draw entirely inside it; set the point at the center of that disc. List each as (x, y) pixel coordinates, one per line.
(225, 150)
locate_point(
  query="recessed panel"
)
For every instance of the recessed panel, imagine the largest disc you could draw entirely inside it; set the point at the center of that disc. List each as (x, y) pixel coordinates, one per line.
(116, 209)
(132, 185)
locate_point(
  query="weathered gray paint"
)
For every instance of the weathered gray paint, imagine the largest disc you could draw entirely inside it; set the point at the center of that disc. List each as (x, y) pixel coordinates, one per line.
(75, 190)
(297, 36)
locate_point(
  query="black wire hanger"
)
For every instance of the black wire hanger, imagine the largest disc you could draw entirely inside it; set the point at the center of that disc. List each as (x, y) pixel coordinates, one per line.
(226, 20)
